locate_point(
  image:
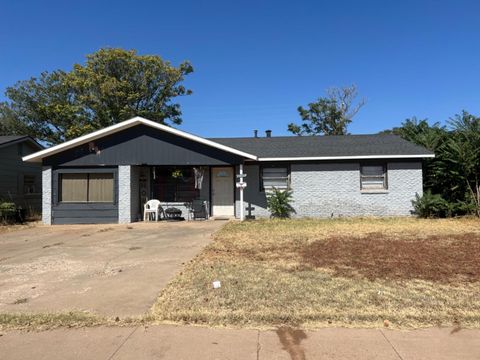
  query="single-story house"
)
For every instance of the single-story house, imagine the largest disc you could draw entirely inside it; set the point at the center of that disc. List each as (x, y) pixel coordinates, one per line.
(107, 176)
(20, 182)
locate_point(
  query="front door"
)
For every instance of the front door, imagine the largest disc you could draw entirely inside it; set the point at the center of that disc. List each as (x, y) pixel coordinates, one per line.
(222, 191)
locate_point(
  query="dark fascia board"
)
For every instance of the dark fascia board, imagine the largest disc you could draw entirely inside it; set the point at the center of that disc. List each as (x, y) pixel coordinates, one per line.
(22, 139)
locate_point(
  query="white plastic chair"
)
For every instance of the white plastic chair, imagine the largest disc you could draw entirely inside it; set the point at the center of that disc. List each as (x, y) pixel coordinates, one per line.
(152, 207)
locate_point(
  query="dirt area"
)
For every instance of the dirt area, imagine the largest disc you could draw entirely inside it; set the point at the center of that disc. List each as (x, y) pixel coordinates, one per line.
(447, 259)
(109, 270)
(397, 273)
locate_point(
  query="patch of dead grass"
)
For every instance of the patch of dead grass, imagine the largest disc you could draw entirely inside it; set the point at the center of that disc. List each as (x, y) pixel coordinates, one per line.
(71, 319)
(15, 227)
(48, 321)
(450, 259)
(343, 272)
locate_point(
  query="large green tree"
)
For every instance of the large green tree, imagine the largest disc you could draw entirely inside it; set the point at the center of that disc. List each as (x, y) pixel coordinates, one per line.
(8, 123)
(113, 85)
(329, 115)
(454, 173)
(460, 158)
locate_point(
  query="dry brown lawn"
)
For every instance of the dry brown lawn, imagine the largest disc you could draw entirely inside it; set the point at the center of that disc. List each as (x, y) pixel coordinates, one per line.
(344, 272)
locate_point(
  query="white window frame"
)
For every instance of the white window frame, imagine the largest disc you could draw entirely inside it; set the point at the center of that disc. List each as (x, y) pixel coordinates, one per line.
(286, 178)
(384, 176)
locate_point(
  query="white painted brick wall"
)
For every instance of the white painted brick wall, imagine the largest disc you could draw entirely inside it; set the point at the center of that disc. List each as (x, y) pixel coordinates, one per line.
(47, 195)
(334, 189)
(326, 189)
(124, 194)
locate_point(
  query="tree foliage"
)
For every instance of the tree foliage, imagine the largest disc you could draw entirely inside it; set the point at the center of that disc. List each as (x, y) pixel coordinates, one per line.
(8, 123)
(329, 115)
(454, 174)
(113, 85)
(460, 157)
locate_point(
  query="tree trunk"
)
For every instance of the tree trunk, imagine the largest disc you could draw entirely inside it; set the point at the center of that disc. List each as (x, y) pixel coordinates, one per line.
(475, 192)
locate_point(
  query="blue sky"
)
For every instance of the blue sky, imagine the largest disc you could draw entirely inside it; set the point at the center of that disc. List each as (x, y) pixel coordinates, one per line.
(257, 61)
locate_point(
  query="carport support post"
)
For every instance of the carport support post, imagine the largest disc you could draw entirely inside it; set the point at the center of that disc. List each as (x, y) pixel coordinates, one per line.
(47, 195)
(242, 215)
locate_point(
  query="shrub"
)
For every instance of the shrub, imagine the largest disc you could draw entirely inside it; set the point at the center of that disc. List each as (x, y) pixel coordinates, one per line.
(278, 203)
(7, 211)
(460, 208)
(431, 205)
(434, 205)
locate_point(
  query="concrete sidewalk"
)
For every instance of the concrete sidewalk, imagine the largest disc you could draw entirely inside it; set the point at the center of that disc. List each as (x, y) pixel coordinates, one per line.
(184, 342)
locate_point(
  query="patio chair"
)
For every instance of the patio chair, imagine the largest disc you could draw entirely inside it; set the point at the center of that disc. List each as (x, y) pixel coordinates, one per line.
(152, 207)
(199, 209)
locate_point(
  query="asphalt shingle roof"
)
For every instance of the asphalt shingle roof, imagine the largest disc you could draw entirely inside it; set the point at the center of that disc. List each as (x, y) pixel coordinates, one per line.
(324, 146)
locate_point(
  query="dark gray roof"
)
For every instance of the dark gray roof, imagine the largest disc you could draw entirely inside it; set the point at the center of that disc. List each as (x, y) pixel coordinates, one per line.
(325, 146)
(7, 139)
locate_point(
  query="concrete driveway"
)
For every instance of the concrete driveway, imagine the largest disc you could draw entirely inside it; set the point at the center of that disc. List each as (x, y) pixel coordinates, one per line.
(112, 270)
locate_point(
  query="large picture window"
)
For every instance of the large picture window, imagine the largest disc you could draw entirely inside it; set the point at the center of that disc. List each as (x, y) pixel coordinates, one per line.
(174, 184)
(274, 177)
(373, 177)
(86, 187)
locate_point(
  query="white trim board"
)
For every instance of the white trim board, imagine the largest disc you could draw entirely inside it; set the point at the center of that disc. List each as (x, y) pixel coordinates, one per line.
(355, 157)
(38, 156)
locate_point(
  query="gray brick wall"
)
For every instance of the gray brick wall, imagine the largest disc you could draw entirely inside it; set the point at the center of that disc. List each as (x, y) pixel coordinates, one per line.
(333, 189)
(124, 194)
(47, 195)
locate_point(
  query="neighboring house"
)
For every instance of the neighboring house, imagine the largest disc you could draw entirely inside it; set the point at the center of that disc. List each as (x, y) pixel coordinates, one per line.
(20, 182)
(106, 176)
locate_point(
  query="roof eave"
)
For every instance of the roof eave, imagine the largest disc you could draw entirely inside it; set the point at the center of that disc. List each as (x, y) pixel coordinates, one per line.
(356, 157)
(22, 139)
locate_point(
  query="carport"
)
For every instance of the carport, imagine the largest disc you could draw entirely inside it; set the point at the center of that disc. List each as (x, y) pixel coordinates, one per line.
(107, 176)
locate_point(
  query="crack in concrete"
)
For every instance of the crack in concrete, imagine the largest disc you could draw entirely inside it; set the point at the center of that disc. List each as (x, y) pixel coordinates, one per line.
(393, 347)
(123, 343)
(258, 344)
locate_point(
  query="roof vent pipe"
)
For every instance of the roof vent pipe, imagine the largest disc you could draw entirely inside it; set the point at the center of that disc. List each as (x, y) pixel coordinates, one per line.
(255, 133)
(268, 133)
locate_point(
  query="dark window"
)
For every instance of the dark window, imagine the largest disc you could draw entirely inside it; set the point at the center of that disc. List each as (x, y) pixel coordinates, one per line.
(86, 187)
(373, 177)
(274, 177)
(174, 184)
(29, 186)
